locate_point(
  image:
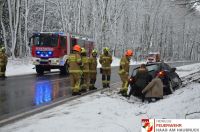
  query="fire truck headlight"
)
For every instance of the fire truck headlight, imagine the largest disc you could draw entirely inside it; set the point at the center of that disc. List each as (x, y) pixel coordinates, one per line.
(50, 53)
(38, 52)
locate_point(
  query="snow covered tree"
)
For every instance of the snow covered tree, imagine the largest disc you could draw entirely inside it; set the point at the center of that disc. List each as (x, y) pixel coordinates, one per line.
(142, 25)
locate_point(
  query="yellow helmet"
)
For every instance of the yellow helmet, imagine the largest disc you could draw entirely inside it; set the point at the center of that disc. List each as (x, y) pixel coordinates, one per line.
(83, 50)
(94, 51)
(3, 49)
(106, 49)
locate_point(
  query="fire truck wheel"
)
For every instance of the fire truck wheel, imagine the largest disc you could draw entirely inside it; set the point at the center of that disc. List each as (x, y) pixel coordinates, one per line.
(39, 69)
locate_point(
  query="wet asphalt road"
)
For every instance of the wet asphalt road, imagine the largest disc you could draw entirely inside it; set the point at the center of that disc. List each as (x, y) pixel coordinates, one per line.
(22, 93)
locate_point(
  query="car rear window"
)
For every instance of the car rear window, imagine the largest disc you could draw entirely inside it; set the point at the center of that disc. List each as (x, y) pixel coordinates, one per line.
(151, 69)
(134, 72)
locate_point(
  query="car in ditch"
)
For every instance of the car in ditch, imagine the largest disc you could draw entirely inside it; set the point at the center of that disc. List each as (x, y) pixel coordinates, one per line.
(170, 79)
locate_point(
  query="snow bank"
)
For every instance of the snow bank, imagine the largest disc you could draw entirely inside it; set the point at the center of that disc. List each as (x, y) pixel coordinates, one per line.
(196, 6)
(188, 69)
(19, 67)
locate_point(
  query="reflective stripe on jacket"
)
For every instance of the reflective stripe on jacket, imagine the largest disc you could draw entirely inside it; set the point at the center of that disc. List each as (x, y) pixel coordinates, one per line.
(85, 64)
(124, 65)
(105, 61)
(93, 64)
(74, 61)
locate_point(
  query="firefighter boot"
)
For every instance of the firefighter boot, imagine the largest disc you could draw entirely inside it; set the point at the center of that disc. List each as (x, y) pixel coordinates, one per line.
(76, 93)
(92, 82)
(76, 89)
(83, 88)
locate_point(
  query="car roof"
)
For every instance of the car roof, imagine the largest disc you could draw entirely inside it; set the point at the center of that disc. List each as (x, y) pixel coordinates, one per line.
(149, 64)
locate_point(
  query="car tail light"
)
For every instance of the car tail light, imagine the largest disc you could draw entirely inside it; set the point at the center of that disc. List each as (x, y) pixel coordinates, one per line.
(161, 74)
(131, 80)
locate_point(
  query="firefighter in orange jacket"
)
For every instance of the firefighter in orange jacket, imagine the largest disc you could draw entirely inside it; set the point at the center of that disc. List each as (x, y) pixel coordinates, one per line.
(93, 69)
(106, 60)
(124, 71)
(74, 63)
(85, 68)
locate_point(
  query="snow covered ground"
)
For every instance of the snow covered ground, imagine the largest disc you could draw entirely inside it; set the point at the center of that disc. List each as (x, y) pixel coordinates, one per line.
(109, 112)
(197, 6)
(188, 69)
(19, 67)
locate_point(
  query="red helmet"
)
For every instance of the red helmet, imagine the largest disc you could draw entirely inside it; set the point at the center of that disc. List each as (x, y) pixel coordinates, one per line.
(77, 48)
(129, 53)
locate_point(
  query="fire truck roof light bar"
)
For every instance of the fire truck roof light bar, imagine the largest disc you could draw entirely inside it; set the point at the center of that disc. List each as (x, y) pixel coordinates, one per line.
(76, 36)
(57, 33)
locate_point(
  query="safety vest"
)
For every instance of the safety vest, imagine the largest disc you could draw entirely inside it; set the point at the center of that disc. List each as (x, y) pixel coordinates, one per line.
(124, 65)
(105, 61)
(85, 64)
(93, 64)
(74, 61)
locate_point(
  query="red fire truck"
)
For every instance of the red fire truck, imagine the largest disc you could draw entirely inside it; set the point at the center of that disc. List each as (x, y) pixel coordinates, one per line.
(50, 50)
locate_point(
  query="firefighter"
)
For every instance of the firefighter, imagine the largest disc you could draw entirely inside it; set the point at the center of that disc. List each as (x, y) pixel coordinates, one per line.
(105, 61)
(3, 62)
(124, 71)
(74, 63)
(85, 68)
(93, 69)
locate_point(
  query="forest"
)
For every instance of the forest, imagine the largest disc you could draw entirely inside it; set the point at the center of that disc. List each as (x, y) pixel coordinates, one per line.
(170, 27)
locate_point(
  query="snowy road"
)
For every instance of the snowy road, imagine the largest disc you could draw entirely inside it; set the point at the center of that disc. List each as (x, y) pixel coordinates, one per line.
(23, 93)
(110, 112)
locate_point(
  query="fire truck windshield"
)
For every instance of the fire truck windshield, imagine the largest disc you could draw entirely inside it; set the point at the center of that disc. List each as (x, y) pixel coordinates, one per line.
(45, 40)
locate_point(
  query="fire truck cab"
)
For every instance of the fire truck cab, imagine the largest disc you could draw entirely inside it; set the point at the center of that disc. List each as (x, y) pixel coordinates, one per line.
(50, 50)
